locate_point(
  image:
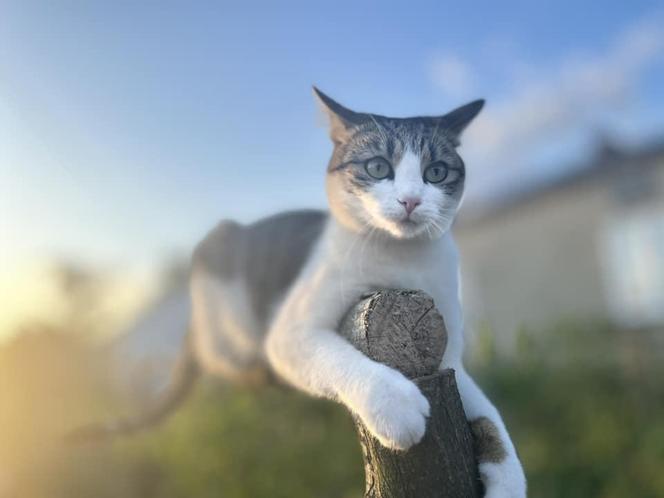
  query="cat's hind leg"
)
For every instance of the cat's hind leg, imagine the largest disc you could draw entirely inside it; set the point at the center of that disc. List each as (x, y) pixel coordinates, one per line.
(226, 336)
(500, 469)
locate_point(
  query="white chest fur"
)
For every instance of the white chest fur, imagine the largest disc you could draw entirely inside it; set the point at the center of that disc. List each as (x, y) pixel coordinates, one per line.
(377, 262)
(356, 264)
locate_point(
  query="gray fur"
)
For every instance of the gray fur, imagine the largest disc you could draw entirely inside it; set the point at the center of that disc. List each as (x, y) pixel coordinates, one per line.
(389, 138)
(488, 446)
(267, 254)
(358, 137)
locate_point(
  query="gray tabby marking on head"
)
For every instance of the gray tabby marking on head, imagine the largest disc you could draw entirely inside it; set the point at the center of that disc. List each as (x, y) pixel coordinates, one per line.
(362, 137)
(432, 137)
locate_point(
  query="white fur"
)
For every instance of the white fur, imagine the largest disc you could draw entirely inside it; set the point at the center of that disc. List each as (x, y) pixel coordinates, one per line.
(227, 340)
(365, 246)
(304, 348)
(385, 211)
(504, 479)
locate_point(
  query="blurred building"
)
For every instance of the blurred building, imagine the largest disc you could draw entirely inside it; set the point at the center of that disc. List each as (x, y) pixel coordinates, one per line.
(587, 245)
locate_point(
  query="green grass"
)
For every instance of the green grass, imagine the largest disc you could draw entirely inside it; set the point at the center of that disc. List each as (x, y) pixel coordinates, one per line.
(587, 423)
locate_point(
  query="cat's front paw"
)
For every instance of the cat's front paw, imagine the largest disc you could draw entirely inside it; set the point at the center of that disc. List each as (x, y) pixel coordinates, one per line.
(394, 409)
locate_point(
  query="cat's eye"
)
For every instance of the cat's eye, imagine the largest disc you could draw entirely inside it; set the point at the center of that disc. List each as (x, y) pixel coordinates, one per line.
(378, 168)
(435, 173)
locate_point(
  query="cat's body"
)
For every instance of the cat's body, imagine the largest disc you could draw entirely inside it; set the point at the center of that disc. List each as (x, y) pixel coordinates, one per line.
(268, 297)
(256, 263)
(250, 270)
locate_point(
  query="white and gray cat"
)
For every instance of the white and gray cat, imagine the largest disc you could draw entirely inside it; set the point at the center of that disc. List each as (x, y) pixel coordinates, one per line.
(267, 297)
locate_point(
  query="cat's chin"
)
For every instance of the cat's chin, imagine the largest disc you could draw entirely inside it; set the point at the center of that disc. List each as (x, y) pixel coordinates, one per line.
(406, 229)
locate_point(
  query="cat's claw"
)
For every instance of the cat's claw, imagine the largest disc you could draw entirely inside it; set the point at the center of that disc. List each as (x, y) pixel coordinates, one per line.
(394, 410)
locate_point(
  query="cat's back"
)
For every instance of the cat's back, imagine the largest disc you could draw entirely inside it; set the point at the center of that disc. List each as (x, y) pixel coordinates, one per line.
(266, 255)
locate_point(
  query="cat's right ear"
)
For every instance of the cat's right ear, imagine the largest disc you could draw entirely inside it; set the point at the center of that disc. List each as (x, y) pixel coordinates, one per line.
(342, 120)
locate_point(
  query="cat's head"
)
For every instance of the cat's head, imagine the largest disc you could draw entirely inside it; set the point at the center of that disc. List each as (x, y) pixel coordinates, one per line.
(402, 176)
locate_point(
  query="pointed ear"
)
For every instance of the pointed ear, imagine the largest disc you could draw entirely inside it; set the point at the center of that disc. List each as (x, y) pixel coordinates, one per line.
(457, 120)
(342, 120)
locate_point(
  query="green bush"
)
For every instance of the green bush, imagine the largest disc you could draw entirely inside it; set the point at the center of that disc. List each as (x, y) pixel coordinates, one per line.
(584, 404)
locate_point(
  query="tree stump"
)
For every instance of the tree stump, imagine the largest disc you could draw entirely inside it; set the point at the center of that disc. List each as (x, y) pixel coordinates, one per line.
(403, 330)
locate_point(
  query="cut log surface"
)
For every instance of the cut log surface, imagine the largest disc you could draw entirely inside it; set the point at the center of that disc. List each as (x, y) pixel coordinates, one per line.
(403, 329)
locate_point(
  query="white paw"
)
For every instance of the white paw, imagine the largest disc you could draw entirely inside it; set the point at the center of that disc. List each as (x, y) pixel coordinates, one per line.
(393, 409)
(503, 493)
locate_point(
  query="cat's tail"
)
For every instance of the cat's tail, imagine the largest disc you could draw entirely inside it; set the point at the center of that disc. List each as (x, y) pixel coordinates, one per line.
(183, 377)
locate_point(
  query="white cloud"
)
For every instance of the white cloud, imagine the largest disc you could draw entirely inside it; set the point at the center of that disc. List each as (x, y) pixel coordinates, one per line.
(552, 100)
(452, 75)
(579, 86)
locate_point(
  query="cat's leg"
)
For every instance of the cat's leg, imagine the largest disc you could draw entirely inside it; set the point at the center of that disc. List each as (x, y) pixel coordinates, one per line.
(226, 336)
(303, 348)
(500, 468)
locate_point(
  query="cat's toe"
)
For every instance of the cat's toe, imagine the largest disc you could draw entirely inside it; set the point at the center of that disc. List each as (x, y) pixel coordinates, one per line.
(396, 412)
(405, 430)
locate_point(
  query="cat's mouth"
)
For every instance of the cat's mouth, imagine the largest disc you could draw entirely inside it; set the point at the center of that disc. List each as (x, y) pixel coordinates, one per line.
(408, 222)
(403, 226)
(413, 220)
(408, 227)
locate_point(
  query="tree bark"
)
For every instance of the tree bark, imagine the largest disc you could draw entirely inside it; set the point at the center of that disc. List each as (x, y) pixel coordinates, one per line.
(403, 330)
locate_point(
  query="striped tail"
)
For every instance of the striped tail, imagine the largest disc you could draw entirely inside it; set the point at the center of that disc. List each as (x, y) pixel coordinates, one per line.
(183, 378)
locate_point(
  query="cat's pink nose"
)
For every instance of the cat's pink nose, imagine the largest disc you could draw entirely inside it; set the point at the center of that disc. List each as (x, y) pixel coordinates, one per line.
(410, 203)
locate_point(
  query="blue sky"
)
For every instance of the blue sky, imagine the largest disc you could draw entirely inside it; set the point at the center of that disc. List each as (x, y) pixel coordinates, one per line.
(128, 128)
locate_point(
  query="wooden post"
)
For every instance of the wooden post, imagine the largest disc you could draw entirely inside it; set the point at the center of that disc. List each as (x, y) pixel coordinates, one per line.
(403, 330)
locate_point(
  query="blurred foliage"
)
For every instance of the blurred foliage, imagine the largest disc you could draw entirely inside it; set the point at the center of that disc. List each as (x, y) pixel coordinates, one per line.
(224, 441)
(585, 405)
(584, 402)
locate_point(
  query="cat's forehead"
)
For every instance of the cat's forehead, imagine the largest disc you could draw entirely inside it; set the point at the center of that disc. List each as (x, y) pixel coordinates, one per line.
(421, 135)
(404, 128)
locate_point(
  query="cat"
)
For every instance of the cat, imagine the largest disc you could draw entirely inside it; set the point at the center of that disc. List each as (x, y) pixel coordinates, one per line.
(266, 298)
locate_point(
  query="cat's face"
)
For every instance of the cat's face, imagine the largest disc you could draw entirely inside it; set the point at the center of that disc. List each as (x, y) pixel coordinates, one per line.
(400, 176)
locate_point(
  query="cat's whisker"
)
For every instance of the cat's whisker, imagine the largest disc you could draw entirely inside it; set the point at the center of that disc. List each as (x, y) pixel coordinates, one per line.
(371, 232)
(437, 226)
(432, 234)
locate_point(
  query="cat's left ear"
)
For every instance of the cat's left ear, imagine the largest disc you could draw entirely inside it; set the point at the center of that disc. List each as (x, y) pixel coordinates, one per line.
(342, 120)
(457, 120)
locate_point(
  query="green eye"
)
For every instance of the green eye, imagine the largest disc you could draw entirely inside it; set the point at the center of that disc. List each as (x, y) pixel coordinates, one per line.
(378, 168)
(435, 173)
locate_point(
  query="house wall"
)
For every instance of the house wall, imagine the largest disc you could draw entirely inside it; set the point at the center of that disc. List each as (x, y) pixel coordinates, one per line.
(535, 263)
(634, 244)
(546, 257)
